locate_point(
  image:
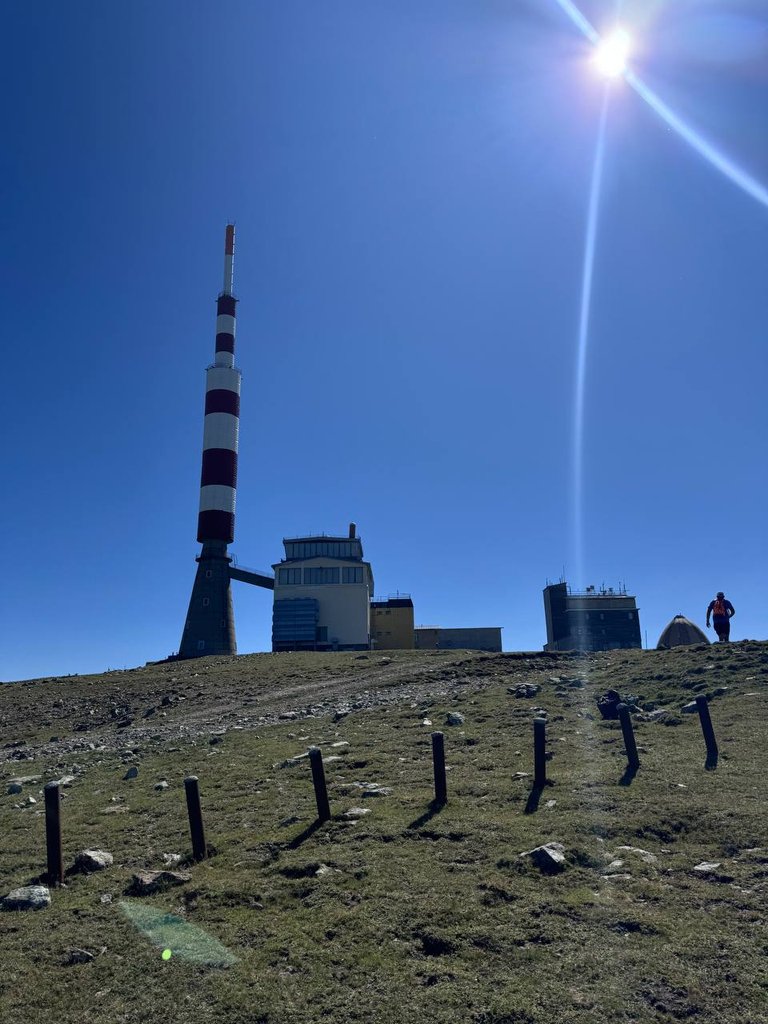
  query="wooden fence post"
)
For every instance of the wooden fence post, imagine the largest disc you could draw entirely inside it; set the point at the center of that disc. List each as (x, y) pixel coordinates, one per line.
(196, 828)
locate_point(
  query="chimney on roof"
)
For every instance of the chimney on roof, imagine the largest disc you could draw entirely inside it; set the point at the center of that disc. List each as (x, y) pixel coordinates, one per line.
(352, 531)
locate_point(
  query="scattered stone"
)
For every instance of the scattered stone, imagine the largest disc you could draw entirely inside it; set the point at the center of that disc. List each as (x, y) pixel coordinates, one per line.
(160, 786)
(324, 869)
(550, 804)
(710, 870)
(106, 897)
(293, 819)
(521, 775)
(288, 716)
(373, 789)
(29, 801)
(644, 855)
(87, 861)
(614, 866)
(145, 883)
(171, 859)
(28, 897)
(549, 858)
(214, 740)
(454, 718)
(719, 691)
(524, 690)
(362, 657)
(340, 743)
(132, 773)
(290, 761)
(13, 789)
(426, 721)
(340, 713)
(357, 812)
(79, 956)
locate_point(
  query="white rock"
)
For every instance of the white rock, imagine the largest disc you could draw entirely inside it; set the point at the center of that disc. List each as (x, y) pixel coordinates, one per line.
(357, 812)
(87, 861)
(454, 718)
(549, 858)
(644, 855)
(28, 897)
(706, 867)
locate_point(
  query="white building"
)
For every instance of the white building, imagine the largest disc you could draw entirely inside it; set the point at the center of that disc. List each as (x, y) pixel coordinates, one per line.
(323, 592)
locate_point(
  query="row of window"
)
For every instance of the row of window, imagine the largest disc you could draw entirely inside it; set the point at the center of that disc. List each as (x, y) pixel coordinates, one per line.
(315, 575)
(325, 549)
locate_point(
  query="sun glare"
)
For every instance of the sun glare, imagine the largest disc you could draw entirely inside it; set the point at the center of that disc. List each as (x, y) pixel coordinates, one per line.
(612, 53)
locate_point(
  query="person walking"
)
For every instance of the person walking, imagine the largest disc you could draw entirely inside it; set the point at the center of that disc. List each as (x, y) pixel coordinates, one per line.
(722, 612)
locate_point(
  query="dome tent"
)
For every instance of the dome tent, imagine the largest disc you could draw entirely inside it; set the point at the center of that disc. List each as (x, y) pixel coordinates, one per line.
(680, 632)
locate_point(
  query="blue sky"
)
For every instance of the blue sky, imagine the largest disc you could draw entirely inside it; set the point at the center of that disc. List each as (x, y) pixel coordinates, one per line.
(410, 182)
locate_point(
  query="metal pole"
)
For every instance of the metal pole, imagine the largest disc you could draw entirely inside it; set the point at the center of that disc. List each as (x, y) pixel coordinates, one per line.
(195, 811)
(438, 762)
(706, 724)
(318, 780)
(55, 873)
(628, 732)
(539, 752)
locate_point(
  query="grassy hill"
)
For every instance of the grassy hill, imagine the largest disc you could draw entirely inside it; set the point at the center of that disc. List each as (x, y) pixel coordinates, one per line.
(406, 913)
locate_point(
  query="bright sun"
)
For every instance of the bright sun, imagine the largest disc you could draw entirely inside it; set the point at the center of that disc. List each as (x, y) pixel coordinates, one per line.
(612, 53)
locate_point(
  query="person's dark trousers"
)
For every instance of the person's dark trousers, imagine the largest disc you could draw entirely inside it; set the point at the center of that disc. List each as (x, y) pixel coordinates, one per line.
(722, 628)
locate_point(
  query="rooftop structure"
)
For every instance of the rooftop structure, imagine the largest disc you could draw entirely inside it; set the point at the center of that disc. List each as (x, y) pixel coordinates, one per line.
(593, 619)
(323, 591)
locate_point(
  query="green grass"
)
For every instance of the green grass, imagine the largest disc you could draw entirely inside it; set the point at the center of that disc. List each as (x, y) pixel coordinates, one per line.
(424, 915)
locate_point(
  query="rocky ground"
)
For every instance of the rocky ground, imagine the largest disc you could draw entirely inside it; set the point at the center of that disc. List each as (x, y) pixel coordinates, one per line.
(604, 897)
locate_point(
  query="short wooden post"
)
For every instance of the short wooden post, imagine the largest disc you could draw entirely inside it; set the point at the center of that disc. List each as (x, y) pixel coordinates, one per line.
(55, 873)
(318, 780)
(625, 717)
(706, 725)
(195, 811)
(438, 763)
(539, 752)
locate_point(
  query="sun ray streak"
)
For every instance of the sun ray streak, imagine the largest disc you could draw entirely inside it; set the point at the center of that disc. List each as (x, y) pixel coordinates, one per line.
(593, 211)
(719, 160)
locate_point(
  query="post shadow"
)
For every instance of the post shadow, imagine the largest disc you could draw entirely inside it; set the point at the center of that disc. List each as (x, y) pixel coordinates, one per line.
(629, 773)
(711, 763)
(434, 808)
(534, 798)
(302, 837)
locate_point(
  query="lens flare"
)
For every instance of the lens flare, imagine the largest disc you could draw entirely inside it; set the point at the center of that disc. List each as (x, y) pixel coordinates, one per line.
(612, 54)
(588, 267)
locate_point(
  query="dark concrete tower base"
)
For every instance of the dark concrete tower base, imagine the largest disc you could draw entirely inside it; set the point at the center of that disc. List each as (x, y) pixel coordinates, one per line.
(210, 625)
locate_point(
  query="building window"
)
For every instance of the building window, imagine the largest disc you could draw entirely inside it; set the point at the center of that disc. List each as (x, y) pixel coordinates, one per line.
(201, 645)
(206, 602)
(208, 574)
(321, 575)
(288, 577)
(630, 615)
(352, 574)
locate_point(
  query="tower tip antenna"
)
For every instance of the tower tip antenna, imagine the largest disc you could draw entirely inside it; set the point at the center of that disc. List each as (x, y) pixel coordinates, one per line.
(229, 258)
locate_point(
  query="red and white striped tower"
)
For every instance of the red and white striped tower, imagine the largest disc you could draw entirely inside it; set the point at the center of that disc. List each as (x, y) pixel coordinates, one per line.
(210, 624)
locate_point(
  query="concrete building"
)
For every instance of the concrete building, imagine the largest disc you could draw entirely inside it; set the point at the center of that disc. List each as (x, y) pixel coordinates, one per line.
(680, 632)
(323, 591)
(392, 623)
(590, 620)
(480, 638)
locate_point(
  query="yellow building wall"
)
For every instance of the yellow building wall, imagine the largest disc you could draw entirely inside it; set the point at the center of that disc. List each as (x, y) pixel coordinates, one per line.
(392, 629)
